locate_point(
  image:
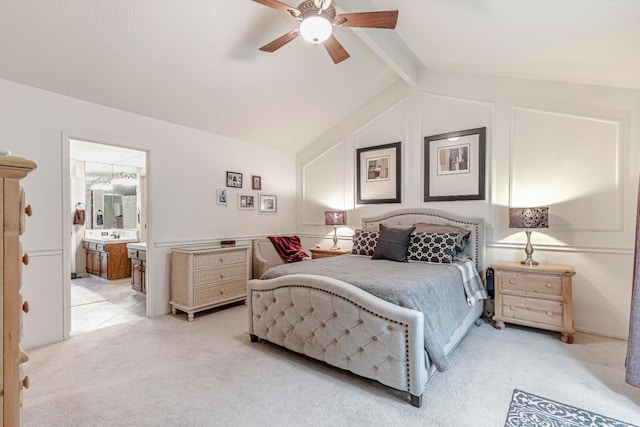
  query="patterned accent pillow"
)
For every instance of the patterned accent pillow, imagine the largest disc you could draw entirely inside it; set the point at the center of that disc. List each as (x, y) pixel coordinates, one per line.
(433, 247)
(364, 242)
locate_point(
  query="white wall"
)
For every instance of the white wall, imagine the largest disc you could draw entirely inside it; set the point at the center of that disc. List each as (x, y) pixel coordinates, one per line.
(185, 168)
(574, 148)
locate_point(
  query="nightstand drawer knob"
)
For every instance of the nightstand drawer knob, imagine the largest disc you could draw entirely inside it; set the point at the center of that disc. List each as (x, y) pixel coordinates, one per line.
(25, 382)
(28, 210)
(512, 281)
(549, 313)
(548, 285)
(25, 259)
(221, 259)
(221, 275)
(25, 306)
(512, 307)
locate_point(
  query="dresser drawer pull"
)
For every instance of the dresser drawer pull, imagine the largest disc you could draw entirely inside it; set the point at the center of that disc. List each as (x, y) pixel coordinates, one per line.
(512, 308)
(512, 281)
(25, 381)
(25, 306)
(221, 275)
(25, 259)
(221, 291)
(549, 313)
(28, 210)
(548, 285)
(221, 259)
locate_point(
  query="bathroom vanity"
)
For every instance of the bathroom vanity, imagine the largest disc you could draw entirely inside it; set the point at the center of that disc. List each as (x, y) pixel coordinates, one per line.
(137, 253)
(107, 258)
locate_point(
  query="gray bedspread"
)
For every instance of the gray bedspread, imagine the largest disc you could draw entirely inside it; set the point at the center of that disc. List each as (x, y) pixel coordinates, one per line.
(437, 290)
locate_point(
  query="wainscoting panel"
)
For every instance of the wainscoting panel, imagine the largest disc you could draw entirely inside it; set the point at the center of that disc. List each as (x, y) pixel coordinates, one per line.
(571, 163)
(323, 187)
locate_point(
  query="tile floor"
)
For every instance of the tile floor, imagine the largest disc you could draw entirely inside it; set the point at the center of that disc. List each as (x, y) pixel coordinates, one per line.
(96, 303)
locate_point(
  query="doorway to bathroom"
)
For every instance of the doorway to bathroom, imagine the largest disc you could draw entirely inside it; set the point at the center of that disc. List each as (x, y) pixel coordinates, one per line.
(108, 262)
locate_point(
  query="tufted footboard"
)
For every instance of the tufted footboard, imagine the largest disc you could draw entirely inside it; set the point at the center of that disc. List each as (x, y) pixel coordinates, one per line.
(344, 326)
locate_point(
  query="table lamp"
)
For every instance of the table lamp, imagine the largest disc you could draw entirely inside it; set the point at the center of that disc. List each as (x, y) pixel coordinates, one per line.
(335, 218)
(529, 219)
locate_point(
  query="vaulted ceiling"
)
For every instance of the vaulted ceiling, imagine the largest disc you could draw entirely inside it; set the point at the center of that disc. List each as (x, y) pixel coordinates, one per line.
(196, 62)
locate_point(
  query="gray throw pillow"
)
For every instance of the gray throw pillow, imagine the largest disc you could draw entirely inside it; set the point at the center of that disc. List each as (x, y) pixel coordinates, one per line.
(393, 243)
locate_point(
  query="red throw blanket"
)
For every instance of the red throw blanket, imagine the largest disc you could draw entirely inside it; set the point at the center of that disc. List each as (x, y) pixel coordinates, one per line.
(288, 247)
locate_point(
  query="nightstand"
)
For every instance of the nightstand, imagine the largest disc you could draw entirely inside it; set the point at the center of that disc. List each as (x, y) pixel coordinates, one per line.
(327, 253)
(537, 296)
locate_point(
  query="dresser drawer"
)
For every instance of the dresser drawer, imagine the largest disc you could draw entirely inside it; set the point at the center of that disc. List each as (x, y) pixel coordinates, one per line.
(225, 291)
(532, 310)
(520, 283)
(219, 259)
(207, 276)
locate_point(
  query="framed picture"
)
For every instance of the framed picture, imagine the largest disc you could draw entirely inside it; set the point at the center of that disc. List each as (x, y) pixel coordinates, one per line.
(379, 174)
(246, 201)
(454, 165)
(256, 182)
(234, 179)
(221, 196)
(268, 204)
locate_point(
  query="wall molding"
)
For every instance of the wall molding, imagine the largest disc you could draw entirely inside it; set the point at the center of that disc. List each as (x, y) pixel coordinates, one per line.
(571, 249)
(43, 252)
(617, 122)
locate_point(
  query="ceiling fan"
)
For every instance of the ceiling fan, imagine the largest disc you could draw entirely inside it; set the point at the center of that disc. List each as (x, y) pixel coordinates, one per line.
(317, 18)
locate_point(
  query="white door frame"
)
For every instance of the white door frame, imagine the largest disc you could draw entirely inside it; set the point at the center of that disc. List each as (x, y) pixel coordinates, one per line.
(67, 215)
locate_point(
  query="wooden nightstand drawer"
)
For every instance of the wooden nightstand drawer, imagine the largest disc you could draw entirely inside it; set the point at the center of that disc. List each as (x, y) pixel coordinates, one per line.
(531, 283)
(532, 310)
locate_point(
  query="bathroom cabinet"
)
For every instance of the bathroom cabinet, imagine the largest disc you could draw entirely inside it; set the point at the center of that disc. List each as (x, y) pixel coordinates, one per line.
(107, 259)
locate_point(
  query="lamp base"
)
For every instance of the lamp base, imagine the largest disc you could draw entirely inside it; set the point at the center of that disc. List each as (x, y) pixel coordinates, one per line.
(528, 261)
(335, 239)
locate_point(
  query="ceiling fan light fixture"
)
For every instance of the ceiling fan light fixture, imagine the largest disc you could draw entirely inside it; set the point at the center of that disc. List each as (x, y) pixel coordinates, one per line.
(315, 29)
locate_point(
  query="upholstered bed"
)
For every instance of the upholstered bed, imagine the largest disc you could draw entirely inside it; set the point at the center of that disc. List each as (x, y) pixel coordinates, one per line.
(347, 323)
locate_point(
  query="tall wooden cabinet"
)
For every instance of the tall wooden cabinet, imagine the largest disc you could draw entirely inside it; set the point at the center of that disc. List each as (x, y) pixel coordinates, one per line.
(12, 214)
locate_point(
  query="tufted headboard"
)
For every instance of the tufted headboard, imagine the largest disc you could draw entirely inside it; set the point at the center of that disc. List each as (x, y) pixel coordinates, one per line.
(475, 248)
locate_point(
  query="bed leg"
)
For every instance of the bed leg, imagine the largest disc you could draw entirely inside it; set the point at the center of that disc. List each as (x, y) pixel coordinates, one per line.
(416, 400)
(254, 338)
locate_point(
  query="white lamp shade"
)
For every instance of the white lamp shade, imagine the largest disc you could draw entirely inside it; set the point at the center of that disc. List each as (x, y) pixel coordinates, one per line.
(315, 29)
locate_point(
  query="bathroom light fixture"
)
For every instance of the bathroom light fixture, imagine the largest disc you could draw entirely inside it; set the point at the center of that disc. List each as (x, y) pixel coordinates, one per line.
(335, 218)
(126, 179)
(102, 184)
(528, 219)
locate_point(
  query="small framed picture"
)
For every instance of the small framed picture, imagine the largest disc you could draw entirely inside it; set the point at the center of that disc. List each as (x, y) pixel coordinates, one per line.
(234, 179)
(221, 196)
(246, 201)
(268, 203)
(256, 182)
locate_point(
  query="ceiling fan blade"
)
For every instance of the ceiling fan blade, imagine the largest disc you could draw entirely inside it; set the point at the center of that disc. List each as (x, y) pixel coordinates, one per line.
(280, 41)
(382, 19)
(335, 49)
(275, 4)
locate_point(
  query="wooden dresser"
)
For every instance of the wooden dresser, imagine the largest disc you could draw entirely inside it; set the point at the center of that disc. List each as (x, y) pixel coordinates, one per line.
(203, 278)
(537, 296)
(13, 212)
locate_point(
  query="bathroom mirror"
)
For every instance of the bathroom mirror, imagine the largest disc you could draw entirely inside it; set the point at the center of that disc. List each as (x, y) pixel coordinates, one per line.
(112, 197)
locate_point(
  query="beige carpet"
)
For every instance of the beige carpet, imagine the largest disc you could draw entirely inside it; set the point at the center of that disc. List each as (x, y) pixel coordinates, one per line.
(169, 372)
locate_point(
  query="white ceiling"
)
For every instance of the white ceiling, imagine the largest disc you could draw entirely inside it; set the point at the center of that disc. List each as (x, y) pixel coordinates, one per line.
(196, 62)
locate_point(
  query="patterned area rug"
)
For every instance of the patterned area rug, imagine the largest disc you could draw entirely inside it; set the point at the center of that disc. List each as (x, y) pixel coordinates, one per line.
(531, 411)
